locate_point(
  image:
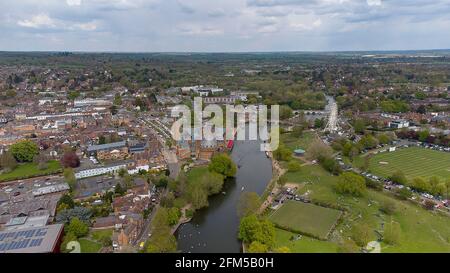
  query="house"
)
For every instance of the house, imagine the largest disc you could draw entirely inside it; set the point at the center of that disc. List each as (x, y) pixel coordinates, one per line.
(399, 124)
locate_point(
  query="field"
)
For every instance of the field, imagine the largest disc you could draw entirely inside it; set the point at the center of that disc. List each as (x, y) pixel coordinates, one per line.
(421, 230)
(306, 218)
(413, 162)
(303, 245)
(28, 170)
(294, 143)
(88, 246)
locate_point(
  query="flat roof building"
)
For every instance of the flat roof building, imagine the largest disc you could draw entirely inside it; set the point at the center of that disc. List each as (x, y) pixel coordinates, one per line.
(32, 240)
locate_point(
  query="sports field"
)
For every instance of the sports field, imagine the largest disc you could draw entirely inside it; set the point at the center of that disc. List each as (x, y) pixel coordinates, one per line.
(306, 218)
(413, 162)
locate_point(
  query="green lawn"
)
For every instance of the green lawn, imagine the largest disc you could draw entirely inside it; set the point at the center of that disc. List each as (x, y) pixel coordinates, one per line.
(306, 218)
(413, 162)
(97, 235)
(421, 230)
(294, 143)
(303, 245)
(88, 246)
(28, 170)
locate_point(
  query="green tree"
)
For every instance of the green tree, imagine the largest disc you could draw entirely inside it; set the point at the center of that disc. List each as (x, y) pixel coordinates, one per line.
(388, 206)
(7, 161)
(69, 177)
(351, 183)
(359, 126)
(24, 151)
(399, 178)
(77, 227)
(318, 150)
(421, 184)
(252, 229)
(423, 135)
(173, 216)
(249, 203)
(68, 237)
(257, 247)
(285, 112)
(223, 164)
(294, 166)
(361, 234)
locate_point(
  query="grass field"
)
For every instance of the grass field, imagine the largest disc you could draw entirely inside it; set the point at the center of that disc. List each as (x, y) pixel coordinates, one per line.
(413, 162)
(303, 245)
(88, 246)
(28, 170)
(306, 218)
(294, 143)
(421, 230)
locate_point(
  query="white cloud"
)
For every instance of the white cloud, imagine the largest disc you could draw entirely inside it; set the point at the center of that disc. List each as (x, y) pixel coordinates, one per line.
(73, 2)
(37, 21)
(374, 2)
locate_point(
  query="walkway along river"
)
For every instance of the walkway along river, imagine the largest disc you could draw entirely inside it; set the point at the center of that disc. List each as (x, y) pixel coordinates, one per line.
(214, 229)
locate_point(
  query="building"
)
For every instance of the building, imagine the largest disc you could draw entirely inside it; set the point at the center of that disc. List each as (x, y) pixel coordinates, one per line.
(108, 169)
(91, 102)
(399, 124)
(110, 151)
(32, 240)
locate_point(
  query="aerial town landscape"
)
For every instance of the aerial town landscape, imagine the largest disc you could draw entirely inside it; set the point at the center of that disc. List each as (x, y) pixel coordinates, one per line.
(89, 161)
(87, 154)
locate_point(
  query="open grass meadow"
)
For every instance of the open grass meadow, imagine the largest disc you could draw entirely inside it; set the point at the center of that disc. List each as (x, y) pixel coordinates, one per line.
(88, 246)
(306, 218)
(304, 244)
(413, 162)
(29, 170)
(421, 230)
(302, 142)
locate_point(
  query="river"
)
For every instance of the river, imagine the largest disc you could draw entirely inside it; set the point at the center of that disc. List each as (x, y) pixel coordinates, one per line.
(214, 229)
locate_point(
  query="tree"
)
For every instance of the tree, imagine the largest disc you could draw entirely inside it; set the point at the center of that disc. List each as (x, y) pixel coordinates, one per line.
(24, 151)
(399, 178)
(294, 166)
(351, 183)
(7, 161)
(69, 177)
(249, 203)
(282, 249)
(119, 189)
(173, 216)
(404, 193)
(77, 227)
(368, 142)
(65, 216)
(162, 239)
(285, 112)
(423, 135)
(388, 206)
(223, 164)
(70, 160)
(198, 197)
(421, 184)
(392, 232)
(359, 126)
(361, 234)
(68, 237)
(318, 149)
(297, 131)
(252, 229)
(282, 153)
(257, 247)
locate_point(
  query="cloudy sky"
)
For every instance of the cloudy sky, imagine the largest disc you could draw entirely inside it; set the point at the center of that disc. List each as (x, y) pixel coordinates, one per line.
(223, 25)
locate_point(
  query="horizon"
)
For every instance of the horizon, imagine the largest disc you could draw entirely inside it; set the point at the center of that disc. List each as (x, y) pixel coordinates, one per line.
(223, 26)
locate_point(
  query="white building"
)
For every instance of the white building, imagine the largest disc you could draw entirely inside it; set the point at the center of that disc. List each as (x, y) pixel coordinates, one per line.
(399, 124)
(110, 169)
